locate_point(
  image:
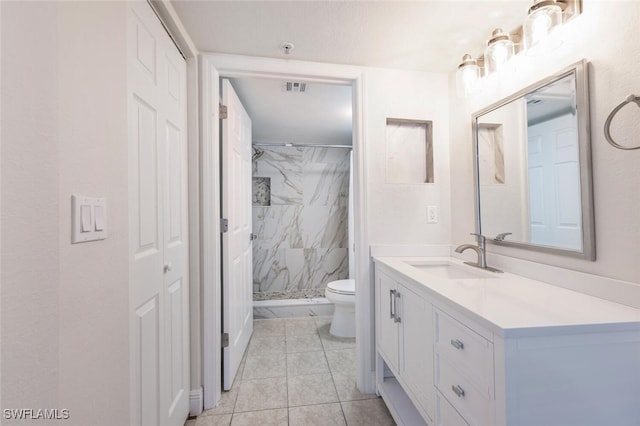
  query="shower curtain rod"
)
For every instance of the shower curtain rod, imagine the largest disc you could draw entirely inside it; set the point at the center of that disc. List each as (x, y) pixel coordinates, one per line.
(301, 145)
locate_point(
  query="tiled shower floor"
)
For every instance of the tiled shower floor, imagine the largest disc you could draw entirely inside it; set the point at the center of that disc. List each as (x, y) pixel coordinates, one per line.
(295, 373)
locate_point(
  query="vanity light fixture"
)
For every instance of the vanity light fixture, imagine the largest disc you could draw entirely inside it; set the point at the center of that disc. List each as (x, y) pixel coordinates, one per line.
(500, 49)
(544, 17)
(467, 77)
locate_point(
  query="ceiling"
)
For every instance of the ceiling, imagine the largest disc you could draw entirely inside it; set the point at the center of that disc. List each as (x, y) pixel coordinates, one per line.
(423, 35)
(320, 115)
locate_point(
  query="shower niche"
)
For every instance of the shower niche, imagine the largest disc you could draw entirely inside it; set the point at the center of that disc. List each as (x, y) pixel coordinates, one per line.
(261, 191)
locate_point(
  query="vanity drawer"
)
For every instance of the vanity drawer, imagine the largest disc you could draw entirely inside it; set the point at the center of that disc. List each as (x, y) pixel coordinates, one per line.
(446, 414)
(472, 403)
(467, 350)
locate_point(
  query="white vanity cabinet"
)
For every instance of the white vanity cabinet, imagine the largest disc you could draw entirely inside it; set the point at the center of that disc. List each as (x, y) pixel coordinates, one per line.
(464, 369)
(404, 335)
(502, 351)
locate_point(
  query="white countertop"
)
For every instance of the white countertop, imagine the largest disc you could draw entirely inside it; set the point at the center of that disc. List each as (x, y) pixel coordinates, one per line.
(511, 305)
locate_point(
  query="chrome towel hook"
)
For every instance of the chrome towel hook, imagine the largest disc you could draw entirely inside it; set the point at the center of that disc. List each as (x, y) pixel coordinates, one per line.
(607, 124)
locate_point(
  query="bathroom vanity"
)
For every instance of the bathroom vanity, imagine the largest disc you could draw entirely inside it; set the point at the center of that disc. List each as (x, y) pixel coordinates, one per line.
(457, 345)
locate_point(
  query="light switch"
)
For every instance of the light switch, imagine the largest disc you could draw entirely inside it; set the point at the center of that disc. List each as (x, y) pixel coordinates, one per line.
(88, 219)
(98, 212)
(85, 218)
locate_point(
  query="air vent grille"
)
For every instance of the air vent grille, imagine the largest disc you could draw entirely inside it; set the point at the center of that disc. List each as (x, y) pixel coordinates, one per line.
(296, 86)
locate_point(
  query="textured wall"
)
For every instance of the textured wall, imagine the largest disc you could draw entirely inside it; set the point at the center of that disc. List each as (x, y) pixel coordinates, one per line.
(606, 34)
(65, 327)
(301, 240)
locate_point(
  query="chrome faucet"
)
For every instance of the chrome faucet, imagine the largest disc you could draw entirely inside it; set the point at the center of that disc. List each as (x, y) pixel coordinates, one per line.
(480, 250)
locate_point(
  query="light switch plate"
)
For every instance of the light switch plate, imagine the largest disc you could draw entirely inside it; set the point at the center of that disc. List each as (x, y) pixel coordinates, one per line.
(92, 225)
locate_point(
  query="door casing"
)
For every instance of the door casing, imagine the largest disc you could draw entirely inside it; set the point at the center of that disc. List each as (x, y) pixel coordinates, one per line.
(213, 67)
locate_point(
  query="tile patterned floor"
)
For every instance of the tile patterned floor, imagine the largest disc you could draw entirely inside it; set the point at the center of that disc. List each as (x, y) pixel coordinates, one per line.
(296, 374)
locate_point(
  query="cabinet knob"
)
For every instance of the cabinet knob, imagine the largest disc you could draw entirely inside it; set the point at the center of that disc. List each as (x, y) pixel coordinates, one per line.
(457, 390)
(457, 344)
(167, 267)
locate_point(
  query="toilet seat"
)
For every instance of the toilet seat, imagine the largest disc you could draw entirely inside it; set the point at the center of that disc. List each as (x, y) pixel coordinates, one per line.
(346, 287)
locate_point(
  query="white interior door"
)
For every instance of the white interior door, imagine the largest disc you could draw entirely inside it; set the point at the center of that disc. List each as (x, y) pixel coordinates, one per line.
(237, 270)
(158, 223)
(554, 183)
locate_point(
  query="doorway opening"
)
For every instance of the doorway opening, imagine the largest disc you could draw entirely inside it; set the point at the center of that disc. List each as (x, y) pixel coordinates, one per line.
(215, 67)
(302, 207)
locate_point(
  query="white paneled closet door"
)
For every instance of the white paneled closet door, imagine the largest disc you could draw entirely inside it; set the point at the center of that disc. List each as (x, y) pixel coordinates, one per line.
(158, 223)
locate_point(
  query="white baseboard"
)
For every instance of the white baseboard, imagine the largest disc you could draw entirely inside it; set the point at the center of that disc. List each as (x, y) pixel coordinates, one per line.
(196, 400)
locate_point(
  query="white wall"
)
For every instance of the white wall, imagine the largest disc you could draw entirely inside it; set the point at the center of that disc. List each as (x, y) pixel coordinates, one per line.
(605, 34)
(398, 212)
(64, 307)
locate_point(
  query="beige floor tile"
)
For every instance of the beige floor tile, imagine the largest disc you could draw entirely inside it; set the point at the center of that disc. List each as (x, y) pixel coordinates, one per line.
(322, 321)
(347, 389)
(214, 420)
(262, 394)
(261, 366)
(342, 360)
(369, 412)
(268, 327)
(317, 415)
(298, 326)
(330, 342)
(302, 363)
(304, 343)
(227, 403)
(190, 422)
(278, 417)
(267, 345)
(311, 389)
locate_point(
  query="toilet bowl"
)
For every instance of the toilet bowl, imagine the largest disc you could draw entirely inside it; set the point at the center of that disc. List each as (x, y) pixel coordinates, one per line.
(342, 293)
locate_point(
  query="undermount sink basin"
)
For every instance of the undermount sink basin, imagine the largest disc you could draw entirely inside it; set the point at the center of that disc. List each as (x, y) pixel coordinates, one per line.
(450, 271)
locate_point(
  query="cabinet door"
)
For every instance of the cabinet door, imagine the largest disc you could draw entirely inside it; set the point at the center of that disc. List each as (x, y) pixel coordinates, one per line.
(387, 328)
(417, 347)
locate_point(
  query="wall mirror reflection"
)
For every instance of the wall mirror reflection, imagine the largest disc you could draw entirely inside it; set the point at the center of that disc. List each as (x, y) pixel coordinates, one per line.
(534, 167)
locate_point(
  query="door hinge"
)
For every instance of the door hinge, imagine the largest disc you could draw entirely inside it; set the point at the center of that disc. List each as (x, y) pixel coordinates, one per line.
(223, 112)
(224, 225)
(225, 340)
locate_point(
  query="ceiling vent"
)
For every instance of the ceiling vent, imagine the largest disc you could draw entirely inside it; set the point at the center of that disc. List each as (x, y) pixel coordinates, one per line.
(296, 86)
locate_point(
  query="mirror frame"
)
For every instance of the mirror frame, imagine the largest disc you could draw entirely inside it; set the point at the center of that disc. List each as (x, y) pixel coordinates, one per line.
(580, 69)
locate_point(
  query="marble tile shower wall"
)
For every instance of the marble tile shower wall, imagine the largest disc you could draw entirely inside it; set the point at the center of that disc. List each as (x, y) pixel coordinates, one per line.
(301, 236)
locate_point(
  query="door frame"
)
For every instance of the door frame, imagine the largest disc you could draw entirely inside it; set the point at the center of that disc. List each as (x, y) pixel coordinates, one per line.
(214, 67)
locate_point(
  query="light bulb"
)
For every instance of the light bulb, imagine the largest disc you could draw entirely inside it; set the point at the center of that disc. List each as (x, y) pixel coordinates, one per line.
(544, 17)
(500, 50)
(467, 77)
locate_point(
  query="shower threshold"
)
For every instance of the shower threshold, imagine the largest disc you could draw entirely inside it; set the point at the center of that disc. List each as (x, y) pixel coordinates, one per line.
(287, 308)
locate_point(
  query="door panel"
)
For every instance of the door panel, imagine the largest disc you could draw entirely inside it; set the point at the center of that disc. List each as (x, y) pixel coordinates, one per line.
(554, 181)
(158, 223)
(237, 279)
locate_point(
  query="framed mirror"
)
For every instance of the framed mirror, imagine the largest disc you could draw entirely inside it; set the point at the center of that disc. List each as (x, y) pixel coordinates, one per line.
(533, 167)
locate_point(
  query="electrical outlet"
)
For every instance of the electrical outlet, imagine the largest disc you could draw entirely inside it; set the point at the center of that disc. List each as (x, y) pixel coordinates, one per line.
(432, 214)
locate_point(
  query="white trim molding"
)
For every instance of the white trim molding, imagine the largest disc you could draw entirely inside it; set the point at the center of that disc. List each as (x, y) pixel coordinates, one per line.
(214, 66)
(195, 402)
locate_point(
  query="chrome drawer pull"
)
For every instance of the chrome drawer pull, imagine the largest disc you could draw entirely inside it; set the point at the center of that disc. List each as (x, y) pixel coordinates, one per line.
(457, 390)
(457, 344)
(395, 308)
(392, 298)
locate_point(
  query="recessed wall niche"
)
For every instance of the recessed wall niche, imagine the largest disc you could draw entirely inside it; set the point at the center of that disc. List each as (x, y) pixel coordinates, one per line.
(490, 154)
(409, 151)
(261, 191)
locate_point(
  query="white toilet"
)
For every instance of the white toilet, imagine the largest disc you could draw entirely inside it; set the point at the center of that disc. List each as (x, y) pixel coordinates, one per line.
(342, 293)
